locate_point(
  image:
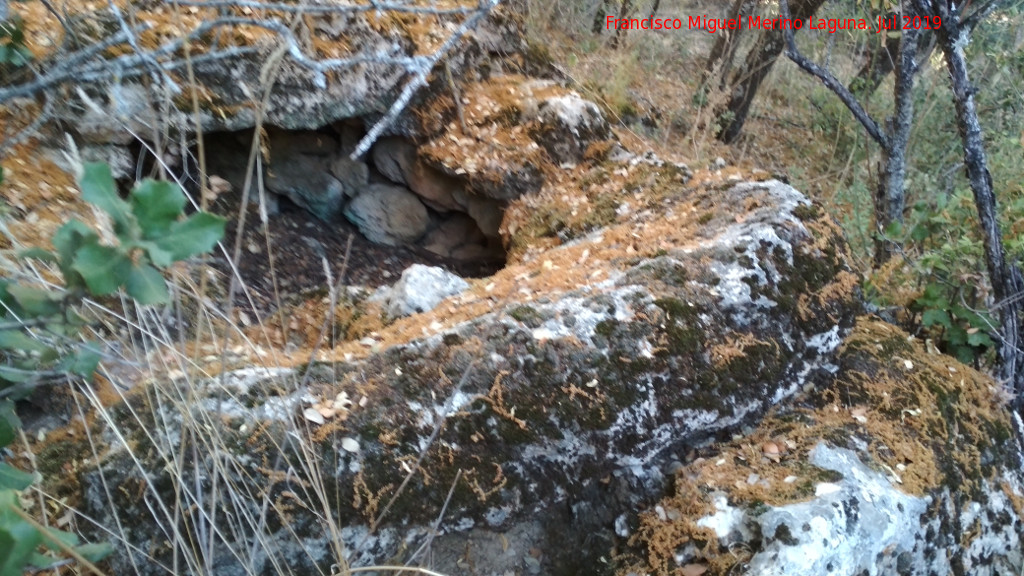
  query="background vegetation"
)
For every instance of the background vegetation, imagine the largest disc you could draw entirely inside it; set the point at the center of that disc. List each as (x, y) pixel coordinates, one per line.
(937, 288)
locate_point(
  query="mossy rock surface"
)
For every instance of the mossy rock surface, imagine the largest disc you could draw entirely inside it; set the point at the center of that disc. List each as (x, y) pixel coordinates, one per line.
(551, 414)
(904, 463)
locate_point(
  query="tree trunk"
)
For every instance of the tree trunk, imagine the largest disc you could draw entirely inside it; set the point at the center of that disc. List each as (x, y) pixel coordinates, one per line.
(747, 79)
(890, 198)
(724, 50)
(625, 9)
(602, 13)
(881, 61)
(1005, 276)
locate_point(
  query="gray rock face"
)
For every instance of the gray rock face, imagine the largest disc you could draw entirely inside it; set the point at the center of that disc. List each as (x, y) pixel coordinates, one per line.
(437, 189)
(915, 475)
(454, 233)
(394, 158)
(846, 529)
(487, 213)
(301, 99)
(352, 174)
(552, 408)
(566, 125)
(389, 215)
(420, 289)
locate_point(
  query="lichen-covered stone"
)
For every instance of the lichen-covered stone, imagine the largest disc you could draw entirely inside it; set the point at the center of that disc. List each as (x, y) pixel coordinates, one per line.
(905, 463)
(548, 399)
(420, 289)
(230, 89)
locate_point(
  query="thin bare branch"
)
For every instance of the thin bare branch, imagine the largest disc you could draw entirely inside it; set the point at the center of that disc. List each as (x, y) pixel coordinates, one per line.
(831, 82)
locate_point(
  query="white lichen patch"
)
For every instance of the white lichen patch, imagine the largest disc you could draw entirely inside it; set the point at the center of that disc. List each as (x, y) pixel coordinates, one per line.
(578, 317)
(728, 522)
(853, 526)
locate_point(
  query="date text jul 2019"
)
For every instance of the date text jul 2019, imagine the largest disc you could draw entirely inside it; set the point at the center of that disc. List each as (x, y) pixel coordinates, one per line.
(831, 25)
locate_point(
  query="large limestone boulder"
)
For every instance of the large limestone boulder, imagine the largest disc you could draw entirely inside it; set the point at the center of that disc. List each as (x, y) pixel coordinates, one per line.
(566, 125)
(296, 93)
(397, 160)
(540, 409)
(420, 289)
(906, 463)
(308, 182)
(518, 132)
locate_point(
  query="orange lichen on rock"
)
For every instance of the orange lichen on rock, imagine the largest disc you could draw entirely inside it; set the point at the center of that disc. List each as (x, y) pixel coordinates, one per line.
(41, 197)
(926, 420)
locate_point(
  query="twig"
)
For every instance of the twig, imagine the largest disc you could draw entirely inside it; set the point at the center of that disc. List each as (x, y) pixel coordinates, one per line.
(830, 82)
(420, 79)
(437, 522)
(326, 9)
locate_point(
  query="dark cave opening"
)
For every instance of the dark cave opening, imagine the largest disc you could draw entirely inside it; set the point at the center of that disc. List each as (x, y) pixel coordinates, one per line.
(397, 209)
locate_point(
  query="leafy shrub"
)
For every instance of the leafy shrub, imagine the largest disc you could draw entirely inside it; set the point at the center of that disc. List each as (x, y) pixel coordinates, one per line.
(13, 52)
(947, 257)
(39, 325)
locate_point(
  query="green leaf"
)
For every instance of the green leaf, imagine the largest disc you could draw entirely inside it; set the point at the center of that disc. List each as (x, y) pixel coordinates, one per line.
(83, 362)
(894, 231)
(67, 240)
(11, 340)
(41, 562)
(9, 423)
(18, 541)
(157, 255)
(147, 286)
(10, 374)
(156, 205)
(103, 268)
(199, 234)
(35, 302)
(99, 189)
(13, 479)
(933, 317)
(37, 254)
(95, 552)
(979, 338)
(964, 354)
(933, 297)
(52, 536)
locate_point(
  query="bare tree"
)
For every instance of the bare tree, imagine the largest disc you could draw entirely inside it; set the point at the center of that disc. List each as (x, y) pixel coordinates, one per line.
(719, 62)
(1004, 275)
(889, 195)
(746, 80)
(952, 34)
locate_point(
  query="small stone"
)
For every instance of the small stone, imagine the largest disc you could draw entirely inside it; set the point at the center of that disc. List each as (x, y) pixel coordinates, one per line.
(313, 415)
(350, 444)
(661, 513)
